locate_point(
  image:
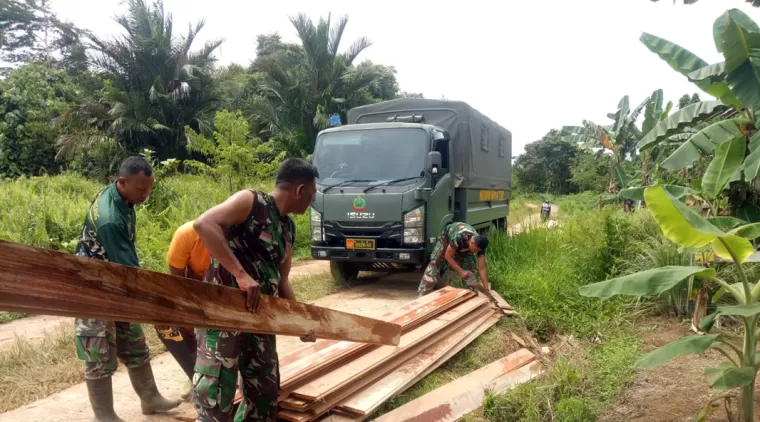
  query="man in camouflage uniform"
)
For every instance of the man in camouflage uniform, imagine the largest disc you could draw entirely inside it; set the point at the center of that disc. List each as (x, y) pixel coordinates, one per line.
(457, 247)
(250, 237)
(108, 234)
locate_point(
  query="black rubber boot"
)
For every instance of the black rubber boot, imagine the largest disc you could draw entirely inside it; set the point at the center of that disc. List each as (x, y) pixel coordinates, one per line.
(144, 384)
(101, 399)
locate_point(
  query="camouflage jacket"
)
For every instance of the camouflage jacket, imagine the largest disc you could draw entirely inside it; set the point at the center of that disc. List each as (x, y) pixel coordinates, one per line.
(259, 244)
(108, 232)
(459, 235)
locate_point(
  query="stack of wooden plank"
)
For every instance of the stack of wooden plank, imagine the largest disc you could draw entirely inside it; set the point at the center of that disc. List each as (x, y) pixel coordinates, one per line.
(354, 379)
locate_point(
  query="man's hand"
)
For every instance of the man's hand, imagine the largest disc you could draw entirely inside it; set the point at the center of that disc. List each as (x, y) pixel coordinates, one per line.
(466, 275)
(252, 291)
(310, 337)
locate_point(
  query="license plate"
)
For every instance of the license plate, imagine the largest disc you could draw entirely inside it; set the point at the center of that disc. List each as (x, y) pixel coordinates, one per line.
(360, 243)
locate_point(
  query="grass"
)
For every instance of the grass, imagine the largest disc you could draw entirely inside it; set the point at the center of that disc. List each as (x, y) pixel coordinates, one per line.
(49, 211)
(32, 370)
(539, 273)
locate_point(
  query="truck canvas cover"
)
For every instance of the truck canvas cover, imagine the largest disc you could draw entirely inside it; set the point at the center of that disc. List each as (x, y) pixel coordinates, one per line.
(482, 150)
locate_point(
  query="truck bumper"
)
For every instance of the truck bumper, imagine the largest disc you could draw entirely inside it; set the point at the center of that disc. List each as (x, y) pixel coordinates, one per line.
(399, 256)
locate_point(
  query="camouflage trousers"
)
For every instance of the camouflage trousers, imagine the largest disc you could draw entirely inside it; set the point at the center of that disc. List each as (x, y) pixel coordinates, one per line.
(436, 273)
(99, 343)
(220, 355)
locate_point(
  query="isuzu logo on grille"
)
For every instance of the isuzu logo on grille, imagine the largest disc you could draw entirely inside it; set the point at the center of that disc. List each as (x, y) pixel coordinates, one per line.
(359, 212)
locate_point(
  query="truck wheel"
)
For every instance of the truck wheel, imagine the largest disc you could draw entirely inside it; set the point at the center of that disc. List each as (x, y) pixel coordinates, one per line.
(343, 272)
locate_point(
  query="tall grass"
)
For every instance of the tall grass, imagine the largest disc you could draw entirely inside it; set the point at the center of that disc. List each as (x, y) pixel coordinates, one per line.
(539, 272)
(49, 211)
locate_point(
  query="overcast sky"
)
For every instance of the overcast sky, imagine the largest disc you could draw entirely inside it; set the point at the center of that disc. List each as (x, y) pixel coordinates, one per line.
(531, 65)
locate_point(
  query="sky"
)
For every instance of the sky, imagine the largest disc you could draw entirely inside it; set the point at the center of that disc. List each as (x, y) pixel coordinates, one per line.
(529, 65)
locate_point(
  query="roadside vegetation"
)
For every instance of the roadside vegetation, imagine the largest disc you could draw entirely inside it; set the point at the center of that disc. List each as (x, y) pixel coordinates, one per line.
(592, 345)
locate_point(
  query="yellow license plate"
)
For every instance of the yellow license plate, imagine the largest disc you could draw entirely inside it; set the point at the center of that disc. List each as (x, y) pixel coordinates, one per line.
(360, 243)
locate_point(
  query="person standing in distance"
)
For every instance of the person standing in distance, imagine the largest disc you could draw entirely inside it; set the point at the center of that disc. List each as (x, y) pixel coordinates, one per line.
(250, 237)
(108, 234)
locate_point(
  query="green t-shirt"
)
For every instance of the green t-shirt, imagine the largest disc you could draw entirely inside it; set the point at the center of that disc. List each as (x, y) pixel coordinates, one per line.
(109, 229)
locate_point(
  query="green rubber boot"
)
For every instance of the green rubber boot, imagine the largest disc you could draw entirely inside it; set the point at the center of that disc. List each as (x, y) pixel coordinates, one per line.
(144, 384)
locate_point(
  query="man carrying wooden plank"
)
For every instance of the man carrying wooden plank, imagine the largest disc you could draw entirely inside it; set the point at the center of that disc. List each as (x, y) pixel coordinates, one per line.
(457, 248)
(250, 237)
(187, 257)
(109, 234)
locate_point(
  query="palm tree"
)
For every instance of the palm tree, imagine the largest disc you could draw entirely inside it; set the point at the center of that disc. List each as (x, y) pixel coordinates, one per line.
(158, 85)
(303, 88)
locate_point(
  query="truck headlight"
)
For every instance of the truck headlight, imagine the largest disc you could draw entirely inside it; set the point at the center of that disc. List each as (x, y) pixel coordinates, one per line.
(414, 226)
(413, 235)
(316, 226)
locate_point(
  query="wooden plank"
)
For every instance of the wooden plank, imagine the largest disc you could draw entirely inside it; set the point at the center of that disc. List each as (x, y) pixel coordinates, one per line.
(500, 300)
(370, 398)
(398, 360)
(324, 385)
(493, 319)
(324, 405)
(302, 364)
(42, 281)
(463, 396)
(324, 354)
(409, 313)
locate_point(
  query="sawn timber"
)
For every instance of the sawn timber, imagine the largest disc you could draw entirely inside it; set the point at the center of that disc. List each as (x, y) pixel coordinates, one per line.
(41, 281)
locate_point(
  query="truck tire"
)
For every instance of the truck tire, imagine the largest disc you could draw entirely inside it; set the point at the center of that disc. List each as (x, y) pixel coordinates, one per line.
(343, 272)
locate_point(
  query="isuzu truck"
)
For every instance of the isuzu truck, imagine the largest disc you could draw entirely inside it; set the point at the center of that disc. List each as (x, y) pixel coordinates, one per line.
(396, 173)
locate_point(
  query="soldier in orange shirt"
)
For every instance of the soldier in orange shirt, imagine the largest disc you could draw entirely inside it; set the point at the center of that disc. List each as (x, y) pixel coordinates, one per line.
(187, 257)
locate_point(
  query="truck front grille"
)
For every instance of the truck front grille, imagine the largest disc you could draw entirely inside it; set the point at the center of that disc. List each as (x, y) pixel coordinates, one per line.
(387, 234)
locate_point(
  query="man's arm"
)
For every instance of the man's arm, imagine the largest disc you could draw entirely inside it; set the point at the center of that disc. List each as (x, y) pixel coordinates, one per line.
(211, 227)
(483, 271)
(449, 255)
(286, 289)
(178, 255)
(119, 248)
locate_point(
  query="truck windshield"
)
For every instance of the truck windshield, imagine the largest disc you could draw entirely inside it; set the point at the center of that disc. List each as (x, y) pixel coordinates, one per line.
(371, 154)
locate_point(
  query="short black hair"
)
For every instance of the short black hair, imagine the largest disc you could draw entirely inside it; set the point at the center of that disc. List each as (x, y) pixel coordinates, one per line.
(135, 165)
(481, 242)
(296, 171)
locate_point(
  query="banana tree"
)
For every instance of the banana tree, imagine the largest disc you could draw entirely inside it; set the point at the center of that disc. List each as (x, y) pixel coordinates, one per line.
(685, 227)
(735, 82)
(618, 138)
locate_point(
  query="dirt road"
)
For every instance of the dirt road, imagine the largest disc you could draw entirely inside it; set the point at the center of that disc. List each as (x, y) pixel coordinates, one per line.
(372, 296)
(534, 220)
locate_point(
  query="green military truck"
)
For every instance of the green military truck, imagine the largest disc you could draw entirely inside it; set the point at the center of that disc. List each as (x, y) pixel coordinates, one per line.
(400, 170)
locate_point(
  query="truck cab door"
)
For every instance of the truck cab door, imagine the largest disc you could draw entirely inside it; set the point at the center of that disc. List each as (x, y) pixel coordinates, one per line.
(440, 207)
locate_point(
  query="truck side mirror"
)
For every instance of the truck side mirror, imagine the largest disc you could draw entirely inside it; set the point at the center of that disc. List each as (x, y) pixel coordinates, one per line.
(434, 160)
